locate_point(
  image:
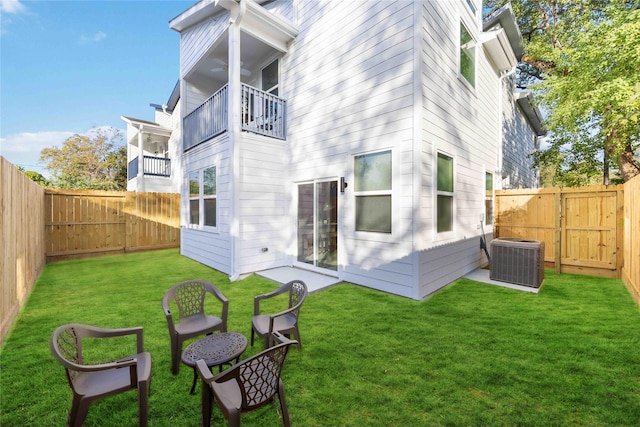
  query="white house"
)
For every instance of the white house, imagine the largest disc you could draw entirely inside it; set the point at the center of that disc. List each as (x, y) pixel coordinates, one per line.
(156, 170)
(359, 139)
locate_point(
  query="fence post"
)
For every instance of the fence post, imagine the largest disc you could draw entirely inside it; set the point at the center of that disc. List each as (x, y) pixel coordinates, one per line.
(557, 244)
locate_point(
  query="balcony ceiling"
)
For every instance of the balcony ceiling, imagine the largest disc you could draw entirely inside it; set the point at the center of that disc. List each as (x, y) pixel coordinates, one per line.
(254, 54)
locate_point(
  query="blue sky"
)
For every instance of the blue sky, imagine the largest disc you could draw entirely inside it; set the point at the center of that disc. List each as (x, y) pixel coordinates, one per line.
(69, 66)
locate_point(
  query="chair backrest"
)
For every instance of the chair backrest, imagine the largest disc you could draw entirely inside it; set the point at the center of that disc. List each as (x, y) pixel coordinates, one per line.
(66, 347)
(189, 296)
(297, 295)
(259, 376)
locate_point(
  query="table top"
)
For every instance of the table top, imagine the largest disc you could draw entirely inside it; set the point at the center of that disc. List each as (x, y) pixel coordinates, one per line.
(215, 349)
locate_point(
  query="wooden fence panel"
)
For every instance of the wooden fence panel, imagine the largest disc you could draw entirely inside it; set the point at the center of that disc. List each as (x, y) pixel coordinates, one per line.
(631, 268)
(23, 241)
(581, 227)
(92, 223)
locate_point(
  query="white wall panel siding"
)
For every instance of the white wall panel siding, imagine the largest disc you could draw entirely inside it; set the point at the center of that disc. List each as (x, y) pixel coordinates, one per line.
(356, 96)
(263, 223)
(196, 41)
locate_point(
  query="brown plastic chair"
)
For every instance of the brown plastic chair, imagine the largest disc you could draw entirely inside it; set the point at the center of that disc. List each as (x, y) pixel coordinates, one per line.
(247, 385)
(284, 322)
(91, 382)
(189, 296)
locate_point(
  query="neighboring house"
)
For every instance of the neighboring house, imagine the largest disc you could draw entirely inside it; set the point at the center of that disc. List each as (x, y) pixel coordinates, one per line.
(359, 139)
(158, 168)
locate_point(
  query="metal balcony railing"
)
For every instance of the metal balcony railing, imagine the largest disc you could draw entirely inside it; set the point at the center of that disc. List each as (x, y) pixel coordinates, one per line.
(152, 166)
(262, 113)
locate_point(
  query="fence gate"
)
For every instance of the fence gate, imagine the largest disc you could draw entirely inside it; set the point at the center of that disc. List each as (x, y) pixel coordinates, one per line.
(589, 236)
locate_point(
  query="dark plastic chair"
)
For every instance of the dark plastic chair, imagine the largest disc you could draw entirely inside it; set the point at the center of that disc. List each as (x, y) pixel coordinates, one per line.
(91, 382)
(192, 321)
(284, 322)
(247, 385)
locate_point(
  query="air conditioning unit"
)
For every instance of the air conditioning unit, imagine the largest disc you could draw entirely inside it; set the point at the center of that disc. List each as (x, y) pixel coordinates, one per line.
(517, 261)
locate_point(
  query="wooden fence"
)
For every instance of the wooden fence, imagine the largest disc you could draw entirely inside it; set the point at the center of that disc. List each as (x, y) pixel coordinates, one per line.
(23, 241)
(91, 223)
(631, 268)
(582, 227)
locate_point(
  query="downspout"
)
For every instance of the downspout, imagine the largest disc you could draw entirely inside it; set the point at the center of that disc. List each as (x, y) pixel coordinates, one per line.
(500, 122)
(235, 94)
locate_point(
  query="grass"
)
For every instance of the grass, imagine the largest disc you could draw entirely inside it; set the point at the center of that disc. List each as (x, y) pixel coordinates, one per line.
(472, 354)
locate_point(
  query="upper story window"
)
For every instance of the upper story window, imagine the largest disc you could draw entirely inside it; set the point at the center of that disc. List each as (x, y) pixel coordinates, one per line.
(444, 204)
(467, 56)
(472, 7)
(203, 197)
(373, 192)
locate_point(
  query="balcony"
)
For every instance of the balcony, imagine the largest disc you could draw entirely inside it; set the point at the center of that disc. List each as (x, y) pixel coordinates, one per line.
(262, 113)
(152, 166)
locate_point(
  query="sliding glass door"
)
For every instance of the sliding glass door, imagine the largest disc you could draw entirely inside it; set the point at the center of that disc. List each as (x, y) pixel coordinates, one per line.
(318, 224)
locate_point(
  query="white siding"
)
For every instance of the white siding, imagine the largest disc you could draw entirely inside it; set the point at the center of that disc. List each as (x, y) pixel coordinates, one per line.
(261, 203)
(211, 248)
(348, 80)
(463, 123)
(197, 40)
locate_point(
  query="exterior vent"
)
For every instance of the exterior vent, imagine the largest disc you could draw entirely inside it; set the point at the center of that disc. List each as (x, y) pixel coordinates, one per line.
(517, 261)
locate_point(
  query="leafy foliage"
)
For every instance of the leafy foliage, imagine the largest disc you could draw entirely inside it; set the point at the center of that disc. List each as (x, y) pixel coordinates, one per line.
(96, 161)
(582, 56)
(36, 177)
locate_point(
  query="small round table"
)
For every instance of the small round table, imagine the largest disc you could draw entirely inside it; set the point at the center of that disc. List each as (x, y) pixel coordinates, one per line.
(215, 349)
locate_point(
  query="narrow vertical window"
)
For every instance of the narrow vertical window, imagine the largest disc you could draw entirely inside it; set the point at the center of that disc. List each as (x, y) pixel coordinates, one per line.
(444, 193)
(373, 192)
(209, 196)
(488, 199)
(194, 198)
(467, 56)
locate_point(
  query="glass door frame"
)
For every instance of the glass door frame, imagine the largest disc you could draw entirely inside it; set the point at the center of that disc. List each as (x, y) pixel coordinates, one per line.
(326, 238)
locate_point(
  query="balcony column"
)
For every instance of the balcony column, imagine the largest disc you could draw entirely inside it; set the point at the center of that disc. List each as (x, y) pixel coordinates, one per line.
(234, 116)
(140, 183)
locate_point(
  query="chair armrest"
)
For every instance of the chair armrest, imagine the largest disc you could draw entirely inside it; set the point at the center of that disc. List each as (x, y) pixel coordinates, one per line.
(281, 339)
(204, 371)
(258, 298)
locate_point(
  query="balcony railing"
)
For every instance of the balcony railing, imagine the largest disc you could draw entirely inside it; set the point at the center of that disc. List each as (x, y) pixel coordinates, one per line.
(152, 166)
(262, 113)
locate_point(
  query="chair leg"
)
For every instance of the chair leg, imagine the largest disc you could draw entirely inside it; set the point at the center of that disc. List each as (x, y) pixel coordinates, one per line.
(79, 412)
(234, 418)
(296, 334)
(207, 397)
(283, 405)
(175, 356)
(143, 403)
(252, 335)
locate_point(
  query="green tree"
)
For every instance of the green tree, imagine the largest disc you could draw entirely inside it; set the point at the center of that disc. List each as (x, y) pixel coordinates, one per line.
(36, 177)
(96, 161)
(581, 57)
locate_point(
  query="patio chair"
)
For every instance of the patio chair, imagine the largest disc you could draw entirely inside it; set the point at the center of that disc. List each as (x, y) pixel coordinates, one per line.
(247, 385)
(95, 381)
(284, 322)
(189, 296)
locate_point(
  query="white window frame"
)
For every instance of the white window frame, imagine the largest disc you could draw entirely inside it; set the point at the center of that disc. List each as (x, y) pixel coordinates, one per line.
(201, 197)
(388, 192)
(462, 77)
(446, 233)
(489, 219)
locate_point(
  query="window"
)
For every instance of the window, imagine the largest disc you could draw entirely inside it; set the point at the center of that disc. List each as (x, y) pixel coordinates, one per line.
(467, 56)
(373, 192)
(202, 197)
(472, 7)
(194, 198)
(444, 193)
(488, 199)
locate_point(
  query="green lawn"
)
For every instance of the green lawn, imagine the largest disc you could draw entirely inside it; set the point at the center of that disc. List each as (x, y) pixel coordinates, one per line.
(472, 354)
